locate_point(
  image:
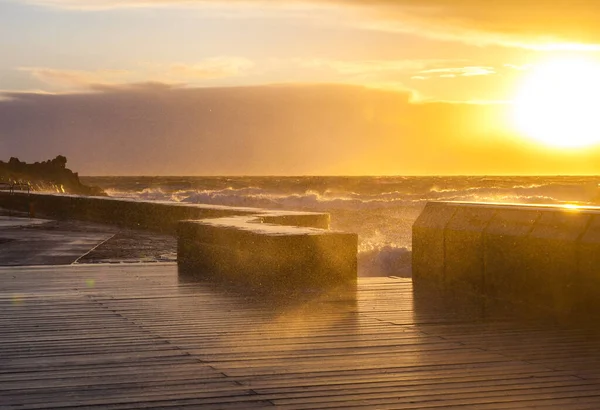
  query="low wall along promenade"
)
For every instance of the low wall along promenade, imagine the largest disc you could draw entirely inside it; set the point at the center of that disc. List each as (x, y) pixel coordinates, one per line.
(545, 257)
(257, 247)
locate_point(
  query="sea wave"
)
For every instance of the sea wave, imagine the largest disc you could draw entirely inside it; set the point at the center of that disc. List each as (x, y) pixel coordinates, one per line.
(385, 260)
(380, 210)
(327, 200)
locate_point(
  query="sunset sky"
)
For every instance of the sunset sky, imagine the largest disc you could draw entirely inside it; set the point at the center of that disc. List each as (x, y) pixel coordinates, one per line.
(350, 87)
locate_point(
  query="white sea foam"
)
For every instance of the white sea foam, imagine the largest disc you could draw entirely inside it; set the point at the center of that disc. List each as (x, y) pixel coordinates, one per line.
(385, 260)
(312, 199)
(308, 199)
(381, 210)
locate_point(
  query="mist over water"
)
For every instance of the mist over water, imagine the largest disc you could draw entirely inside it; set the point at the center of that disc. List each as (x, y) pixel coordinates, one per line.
(380, 209)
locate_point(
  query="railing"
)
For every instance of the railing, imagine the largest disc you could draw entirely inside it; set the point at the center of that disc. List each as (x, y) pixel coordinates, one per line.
(15, 186)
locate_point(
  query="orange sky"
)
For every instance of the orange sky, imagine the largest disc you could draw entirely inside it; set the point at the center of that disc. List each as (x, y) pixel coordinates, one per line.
(298, 87)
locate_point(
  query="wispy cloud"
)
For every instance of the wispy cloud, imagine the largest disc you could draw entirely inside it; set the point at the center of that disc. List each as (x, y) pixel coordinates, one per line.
(517, 67)
(357, 67)
(108, 4)
(469, 71)
(76, 78)
(177, 73)
(218, 67)
(548, 25)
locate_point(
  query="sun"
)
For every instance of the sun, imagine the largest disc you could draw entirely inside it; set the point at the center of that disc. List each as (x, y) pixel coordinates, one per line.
(559, 103)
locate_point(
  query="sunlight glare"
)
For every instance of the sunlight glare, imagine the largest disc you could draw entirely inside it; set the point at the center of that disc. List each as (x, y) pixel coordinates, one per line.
(558, 103)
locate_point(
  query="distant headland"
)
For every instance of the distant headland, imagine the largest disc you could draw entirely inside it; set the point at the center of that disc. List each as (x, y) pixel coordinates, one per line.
(50, 175)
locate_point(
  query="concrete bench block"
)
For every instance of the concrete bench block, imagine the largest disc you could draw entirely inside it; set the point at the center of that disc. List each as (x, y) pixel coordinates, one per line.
(587, 281)
(320, 221)
(545, 259)
(550, 259)
(428, 244)
(464, 260)
(266, 255)
(505, 241)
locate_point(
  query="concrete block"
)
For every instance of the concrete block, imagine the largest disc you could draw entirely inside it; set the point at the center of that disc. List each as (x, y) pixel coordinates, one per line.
(311, 220)
(266, 256)
(428, 244)
(505, 241)
(550, 259)
(464, 261)
(156, 216)
(532, 259)
(587, 280)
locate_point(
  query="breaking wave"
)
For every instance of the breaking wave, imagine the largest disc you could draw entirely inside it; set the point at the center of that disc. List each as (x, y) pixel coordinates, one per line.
(259, 197)
(385, 260)
(380, 209)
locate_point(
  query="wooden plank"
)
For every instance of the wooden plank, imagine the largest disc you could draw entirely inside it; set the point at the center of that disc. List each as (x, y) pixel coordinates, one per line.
(120, 337)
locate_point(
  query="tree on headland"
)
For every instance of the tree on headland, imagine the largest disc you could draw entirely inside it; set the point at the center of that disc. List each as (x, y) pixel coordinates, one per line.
(60, 161)
(47, 175)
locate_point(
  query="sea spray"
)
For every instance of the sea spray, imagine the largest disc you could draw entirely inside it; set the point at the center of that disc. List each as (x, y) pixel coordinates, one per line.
(380, 209)
(384, 260)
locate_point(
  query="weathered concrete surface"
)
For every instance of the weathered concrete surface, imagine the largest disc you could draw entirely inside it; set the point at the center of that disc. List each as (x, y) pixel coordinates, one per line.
(269, 256)
(504, 257)
(551, 260)
(587, 281)
(543, 257)
(156, 216)
(260, 247)
(14, 221)
(42, 242)
(463, 238)
(25, 241)
(428, 244)
(160, 216)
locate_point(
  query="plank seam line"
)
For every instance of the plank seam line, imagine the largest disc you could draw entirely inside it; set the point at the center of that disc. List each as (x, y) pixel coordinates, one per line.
(157, 337)
(93, 249)
(506, 355)
(514, 356)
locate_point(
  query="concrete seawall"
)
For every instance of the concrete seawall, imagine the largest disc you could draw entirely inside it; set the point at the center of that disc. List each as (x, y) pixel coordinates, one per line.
(152, 215)
(257, 247)
(545, 257)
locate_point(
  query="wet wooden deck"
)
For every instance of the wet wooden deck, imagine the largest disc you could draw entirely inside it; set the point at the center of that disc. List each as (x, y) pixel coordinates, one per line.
(134, 336)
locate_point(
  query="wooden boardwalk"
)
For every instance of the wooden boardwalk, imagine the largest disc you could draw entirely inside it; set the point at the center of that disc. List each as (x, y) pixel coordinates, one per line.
(135, 337)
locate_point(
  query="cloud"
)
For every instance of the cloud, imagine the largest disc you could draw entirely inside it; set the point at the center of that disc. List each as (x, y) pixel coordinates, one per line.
(356, 67)
(109, 4)
(517, 67)
(156, 129)
(547, 25)
(211, 68)
(160, 129)
(381, 74)
(469, 71)
(453, 72)
(76, 78)
(179, 73)
(384, 74)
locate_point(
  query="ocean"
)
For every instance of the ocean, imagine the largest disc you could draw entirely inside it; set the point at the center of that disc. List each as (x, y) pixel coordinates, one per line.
(380, 209)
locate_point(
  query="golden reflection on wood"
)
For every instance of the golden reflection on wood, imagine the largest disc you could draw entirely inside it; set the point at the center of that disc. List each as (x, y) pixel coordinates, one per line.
(134, 336)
